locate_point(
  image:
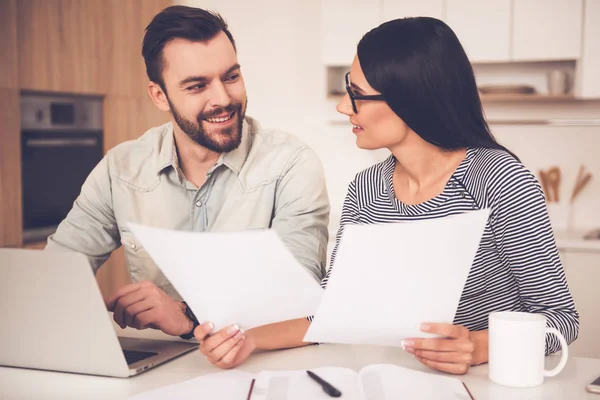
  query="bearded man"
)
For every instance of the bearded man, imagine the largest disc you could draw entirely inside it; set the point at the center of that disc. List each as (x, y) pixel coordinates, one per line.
(211, 168)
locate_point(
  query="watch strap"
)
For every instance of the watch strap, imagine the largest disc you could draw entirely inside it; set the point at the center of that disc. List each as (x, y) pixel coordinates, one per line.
(190, 315)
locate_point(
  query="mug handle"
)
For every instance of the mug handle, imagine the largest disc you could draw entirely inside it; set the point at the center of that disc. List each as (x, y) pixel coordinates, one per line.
(565, 352)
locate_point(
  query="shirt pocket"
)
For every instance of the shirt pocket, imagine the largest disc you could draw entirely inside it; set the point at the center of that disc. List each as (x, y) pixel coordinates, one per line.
(140, 265)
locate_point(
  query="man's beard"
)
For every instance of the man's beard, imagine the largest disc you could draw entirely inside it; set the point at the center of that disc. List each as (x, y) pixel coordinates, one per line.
(219, 140)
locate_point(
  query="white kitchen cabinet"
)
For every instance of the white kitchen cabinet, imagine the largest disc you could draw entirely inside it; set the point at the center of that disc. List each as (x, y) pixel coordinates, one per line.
(343, 24)
(583, 276)
(589, 64)
(546, 30)
(393, 9)
(489, 30)
(483, 28)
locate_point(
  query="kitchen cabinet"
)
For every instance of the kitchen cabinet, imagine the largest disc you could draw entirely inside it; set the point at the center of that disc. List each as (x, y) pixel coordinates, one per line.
(393, 9)
(138, 115)
(9, 77)
(588, 85)
(90, 47)
(113, 274)
(342, 27)
(483, 28)
(344, 24)
(546, 30)
(582, 269)
(10, 169)
(10, 138)
(62, 46)
(490, 30)
(123, 63)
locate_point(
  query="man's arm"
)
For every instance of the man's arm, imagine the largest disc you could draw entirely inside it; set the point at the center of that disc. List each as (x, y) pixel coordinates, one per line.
(301, 211)
(90, 227)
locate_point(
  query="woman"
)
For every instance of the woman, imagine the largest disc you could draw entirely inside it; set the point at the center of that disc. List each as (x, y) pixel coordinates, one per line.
(411, 89)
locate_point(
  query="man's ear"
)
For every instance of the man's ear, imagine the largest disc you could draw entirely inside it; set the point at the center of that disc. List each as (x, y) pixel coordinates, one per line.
(158, 96)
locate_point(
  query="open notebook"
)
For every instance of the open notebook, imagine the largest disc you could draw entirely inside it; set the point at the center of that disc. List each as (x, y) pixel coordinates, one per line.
(374, 382)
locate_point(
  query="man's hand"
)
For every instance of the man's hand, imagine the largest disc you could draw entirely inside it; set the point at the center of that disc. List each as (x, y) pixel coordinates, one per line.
(227, 348)
(454, 353)
(143, 305)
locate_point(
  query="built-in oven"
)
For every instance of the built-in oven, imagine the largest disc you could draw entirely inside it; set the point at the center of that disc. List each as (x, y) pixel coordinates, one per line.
(61, 142)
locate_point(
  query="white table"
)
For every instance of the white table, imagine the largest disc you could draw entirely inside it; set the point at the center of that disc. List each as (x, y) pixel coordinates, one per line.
(31, 384)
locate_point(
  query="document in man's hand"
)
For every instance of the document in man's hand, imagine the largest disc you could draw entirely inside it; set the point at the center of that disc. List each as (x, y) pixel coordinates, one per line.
(247, 278)
(387, 279)
(374, 382)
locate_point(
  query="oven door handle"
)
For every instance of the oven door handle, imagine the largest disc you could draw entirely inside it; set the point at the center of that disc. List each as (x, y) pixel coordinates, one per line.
(61, 142)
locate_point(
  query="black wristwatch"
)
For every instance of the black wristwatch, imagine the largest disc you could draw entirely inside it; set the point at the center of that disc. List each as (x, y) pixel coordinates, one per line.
(188, 313)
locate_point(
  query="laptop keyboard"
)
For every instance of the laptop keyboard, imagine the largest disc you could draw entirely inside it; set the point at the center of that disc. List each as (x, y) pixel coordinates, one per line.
(133, 356)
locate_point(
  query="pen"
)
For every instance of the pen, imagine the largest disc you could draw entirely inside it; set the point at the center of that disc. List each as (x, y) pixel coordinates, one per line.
(327, 388)
(250, 391)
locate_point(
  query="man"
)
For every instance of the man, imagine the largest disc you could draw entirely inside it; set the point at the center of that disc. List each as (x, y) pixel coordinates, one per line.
(209, 169)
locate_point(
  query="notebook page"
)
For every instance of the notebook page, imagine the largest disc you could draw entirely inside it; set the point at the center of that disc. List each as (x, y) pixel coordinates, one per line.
(227, 385)
(387, 382)
(297, 385)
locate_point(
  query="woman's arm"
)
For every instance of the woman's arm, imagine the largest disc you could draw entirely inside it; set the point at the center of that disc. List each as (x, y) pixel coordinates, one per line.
(231, 346)
(280, 335)
(525, 242)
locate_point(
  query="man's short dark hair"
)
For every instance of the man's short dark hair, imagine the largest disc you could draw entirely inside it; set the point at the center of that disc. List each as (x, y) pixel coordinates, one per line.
(194, 24)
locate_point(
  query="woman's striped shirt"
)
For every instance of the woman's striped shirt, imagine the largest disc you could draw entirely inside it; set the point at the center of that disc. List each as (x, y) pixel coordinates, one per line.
(517, 266)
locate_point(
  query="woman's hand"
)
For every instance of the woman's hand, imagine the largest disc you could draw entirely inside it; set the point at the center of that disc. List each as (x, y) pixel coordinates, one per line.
(227, 348)
(455, 352)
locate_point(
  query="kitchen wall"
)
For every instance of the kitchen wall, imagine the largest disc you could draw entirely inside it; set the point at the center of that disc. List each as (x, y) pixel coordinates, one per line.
(279, 49)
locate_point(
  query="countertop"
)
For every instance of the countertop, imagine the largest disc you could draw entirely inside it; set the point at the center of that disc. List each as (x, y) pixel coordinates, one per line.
(574, 241)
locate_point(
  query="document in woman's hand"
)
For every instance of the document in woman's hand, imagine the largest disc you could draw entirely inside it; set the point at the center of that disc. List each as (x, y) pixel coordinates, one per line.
(389, 278)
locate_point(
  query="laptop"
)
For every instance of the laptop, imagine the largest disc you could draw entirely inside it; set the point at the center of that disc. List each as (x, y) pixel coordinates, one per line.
(54, 318)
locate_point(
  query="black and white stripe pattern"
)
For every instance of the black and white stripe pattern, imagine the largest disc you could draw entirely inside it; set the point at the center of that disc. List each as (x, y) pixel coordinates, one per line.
(517, 266)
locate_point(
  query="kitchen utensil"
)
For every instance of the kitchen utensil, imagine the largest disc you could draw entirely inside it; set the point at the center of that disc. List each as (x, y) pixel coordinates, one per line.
(558, 82)
(544, 183)
(580, 182)
(553, 177)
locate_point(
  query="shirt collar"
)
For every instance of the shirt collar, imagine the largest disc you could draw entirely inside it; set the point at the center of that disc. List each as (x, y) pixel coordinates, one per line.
(389, 164)
(234, 160)
(167, 156)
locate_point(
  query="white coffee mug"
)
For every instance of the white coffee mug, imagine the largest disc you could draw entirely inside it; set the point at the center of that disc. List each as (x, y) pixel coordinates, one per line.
(516, 349)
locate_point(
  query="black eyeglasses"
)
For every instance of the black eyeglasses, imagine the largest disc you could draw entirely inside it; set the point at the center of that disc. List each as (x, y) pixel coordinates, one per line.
(354, 97)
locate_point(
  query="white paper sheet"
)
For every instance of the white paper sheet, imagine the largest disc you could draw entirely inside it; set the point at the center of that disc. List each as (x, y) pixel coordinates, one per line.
(391, 382)
(247, 278)
(389, 278)
(226, 385)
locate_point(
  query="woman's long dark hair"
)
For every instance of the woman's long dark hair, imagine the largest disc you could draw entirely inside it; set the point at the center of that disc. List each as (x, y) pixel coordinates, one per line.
(420, 67)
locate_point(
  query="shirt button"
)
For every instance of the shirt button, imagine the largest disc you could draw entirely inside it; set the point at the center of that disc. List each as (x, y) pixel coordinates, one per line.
(463, 194)
(133, 245)
(198, 203)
